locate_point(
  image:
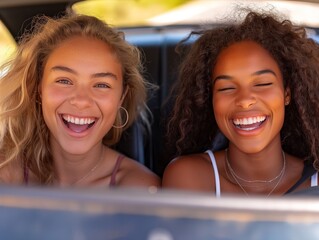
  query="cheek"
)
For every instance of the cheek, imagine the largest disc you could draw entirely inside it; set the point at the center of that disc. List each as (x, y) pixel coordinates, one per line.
(51, 100)
(279, 110)
(275, 100)
(109, 105)
(48, 106)
(220, 106)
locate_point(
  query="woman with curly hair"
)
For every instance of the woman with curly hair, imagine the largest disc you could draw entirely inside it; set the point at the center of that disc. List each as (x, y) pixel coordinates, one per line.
(74, 85)
(256, 84)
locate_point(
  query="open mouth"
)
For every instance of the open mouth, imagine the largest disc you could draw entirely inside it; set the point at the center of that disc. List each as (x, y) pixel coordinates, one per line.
(249, 124)
(77, 124)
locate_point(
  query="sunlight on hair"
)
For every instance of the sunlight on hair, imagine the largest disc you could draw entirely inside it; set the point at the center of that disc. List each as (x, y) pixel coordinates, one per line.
(7, 45)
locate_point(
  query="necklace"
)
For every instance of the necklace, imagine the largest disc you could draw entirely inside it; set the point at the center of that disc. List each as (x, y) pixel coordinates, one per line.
(256, 180)
(88, 173)
(280, 176)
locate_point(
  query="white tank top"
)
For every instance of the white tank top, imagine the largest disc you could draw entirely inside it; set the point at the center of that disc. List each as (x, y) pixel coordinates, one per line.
(314, 177)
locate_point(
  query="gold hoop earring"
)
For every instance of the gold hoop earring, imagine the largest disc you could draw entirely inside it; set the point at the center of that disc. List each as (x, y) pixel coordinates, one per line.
(126, 121)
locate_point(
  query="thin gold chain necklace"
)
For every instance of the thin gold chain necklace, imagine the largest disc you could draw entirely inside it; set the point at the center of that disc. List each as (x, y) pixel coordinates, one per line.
(281, 174)
(89, 172)
(257, 180)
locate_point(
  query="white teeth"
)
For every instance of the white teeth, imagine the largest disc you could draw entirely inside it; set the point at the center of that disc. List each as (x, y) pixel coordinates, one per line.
(248, 121)
(76, 120)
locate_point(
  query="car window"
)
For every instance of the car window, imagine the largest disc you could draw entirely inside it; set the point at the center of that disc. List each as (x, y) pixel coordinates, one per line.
(168, 12)
(133, 16)
(127, 13)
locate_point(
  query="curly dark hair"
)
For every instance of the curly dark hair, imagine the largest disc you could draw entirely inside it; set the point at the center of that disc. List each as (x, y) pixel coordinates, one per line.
(192, 126)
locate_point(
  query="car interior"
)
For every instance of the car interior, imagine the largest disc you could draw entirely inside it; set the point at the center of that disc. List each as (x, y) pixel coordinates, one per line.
(37, 214)
(157, 39)
(151, 212)
(157, 45)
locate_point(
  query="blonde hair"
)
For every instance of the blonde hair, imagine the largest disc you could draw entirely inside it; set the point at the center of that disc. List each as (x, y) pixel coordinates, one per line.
(24, 136)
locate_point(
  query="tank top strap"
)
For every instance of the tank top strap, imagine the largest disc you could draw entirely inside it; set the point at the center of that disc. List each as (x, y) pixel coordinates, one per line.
(216, 174)
(308, 172)
(25, 174)
(115, 170)
(314, 179)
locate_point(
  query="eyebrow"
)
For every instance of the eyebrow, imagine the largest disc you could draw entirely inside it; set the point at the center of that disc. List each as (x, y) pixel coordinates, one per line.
(227, 77)
(220, 77)
(62, 68)
(104, 75)
(95, 75)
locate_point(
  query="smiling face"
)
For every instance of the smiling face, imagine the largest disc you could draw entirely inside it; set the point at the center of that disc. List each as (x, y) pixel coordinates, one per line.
(248, 96)
(81, 91)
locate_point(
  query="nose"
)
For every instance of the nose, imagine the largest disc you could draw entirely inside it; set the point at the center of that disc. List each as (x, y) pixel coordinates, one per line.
(245, 99)
(81, 98)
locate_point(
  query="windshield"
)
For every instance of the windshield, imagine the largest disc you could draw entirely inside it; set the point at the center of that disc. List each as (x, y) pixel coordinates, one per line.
(126, 13)
(159, 14)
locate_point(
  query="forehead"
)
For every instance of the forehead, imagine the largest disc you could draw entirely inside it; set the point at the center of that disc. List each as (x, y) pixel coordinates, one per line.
(83, 45)
(246, 56)
(85, 55)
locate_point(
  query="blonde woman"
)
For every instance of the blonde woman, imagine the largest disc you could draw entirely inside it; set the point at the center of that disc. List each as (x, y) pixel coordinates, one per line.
(72, 88)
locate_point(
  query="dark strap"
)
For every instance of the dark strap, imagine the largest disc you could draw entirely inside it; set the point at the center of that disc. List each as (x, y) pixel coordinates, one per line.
(115, 170)
(25, 174)
(307, 172)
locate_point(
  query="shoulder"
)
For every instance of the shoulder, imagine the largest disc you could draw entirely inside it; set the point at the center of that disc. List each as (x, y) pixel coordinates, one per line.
(134, 174)
(187, 163)
(192, 172)
(297, 174)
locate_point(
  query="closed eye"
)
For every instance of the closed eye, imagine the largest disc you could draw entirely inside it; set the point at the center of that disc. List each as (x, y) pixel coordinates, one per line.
(264, 84)
(225, 89)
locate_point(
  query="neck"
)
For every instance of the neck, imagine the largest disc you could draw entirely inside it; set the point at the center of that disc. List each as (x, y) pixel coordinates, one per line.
(263, 165)
(71, 169)
(258, 185)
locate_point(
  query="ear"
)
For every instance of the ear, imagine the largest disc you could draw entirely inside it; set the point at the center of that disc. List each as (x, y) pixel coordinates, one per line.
(287, 96)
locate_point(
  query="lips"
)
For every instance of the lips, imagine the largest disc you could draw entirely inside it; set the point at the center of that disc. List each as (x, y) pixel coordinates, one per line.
(78, 124)
(250, 123)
